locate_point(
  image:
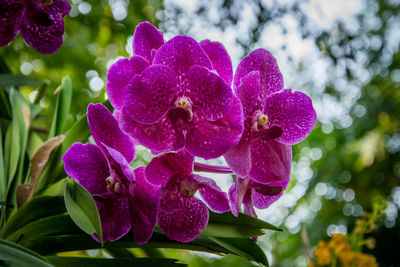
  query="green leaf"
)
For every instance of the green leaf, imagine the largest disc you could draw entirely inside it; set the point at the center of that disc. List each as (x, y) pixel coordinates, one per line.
(3, 182)
(8, 80)
(63, 104)
(241, 220)
(227, 230)
(82, 209)
(243, 247)
(19, 130)
(52, 225)
(15, 255)
(95, 262)
(33, 210)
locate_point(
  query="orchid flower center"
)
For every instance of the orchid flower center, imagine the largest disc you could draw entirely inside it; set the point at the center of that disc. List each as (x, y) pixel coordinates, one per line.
(182, 103)
(260, 121)
(185, 104)
(188, 187)
(113, 185)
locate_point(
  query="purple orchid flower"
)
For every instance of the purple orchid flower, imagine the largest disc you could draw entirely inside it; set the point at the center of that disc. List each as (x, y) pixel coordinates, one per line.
(182, 216)
(275, 119)
(123, 196)
(253, 194)
(176, 95)
(40, 23)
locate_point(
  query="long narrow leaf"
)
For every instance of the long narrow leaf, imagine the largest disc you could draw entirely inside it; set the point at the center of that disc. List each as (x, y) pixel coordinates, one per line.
(241, 220)
(14, 255)
(8, 80)
(243, 247)
(63, 104)
(33, 210)
(53, 244)
(52, 225)
(95, 262)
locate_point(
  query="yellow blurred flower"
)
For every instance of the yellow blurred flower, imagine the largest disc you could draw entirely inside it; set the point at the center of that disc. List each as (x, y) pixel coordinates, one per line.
(323, 253)
(339, 243)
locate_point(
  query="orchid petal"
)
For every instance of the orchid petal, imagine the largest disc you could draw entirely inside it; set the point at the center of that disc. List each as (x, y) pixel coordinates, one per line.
(158, 137)
(187, 220)
(209, 139)
(271, 161)
(180, 53)
(261, 60)
(263, 200)
(162, 168)
(10, 13)
(120, 74)
(105, 130)
(123, 164)
(143, 208)
(151, 94)
(209, 93)
(212, 194)
(114, 217)
(250, 94)
(43, 27)
(147, 39)
(87, 164)
(220, 59)
(293, 112)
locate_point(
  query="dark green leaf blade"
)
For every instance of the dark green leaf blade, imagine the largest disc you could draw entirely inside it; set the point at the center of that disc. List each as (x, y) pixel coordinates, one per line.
(241, 220)
(82, 208)
(95, 262)
(229, 230)
(15, 255)
(52, 225)
(243, 247)
(33, 210)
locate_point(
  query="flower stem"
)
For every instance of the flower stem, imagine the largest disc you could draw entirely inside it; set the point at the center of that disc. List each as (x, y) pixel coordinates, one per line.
(200, 167)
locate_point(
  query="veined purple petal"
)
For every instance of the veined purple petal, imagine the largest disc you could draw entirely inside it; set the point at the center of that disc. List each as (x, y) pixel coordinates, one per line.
(180, 53)
(236, 194)
(293, 112)
(146, 40)
(122, 163)
(261, 200)
(163, 167)
(120, 74)
(88, 165)
(114, 217)
(186, 221)
(105, 130)
(271, 161)
(42, 27)
(10, 13)
(212, 194)
(261, 60)
(250, 94)
(208, 139)
(61, 7)
(209, 93)
(143, 208)
(158, 137)
(248, 204)
(220, 59)
(151, 94)
(239, 158)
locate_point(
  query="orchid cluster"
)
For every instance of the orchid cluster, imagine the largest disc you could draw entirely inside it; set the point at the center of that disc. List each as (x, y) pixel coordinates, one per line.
(176, 99)
(40, 23)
